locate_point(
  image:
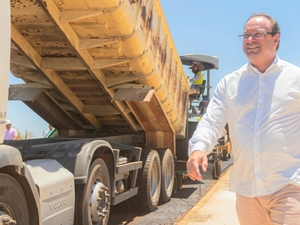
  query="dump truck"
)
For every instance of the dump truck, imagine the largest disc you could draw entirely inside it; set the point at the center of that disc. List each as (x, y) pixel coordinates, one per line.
(107, 76)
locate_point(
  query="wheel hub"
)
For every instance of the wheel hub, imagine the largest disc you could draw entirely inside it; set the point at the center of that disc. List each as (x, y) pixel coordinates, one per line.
(99, 202)
(7, 220)
(5, 215)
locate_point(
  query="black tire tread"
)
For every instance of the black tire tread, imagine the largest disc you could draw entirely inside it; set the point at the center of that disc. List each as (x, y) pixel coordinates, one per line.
(179, 181)
(224, 155)
(80, 189)
(11, 191)
(161, 153)
(140, 201)
(175, 187)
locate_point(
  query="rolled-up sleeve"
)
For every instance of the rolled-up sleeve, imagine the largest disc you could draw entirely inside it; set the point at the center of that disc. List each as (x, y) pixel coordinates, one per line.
(211, 126)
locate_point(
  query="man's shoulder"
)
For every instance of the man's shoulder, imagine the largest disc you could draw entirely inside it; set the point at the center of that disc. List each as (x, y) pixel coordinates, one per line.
(14, 130)
(237, 73)
(287, 65)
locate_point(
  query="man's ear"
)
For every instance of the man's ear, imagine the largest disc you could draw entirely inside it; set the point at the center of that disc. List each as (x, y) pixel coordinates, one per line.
(276, 39)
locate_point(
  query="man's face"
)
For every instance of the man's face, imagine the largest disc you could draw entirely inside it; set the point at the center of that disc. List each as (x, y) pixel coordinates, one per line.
(8, 126)
(259, 49)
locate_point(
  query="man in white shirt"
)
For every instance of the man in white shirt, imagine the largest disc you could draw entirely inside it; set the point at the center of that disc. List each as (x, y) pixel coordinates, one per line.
(261, 102)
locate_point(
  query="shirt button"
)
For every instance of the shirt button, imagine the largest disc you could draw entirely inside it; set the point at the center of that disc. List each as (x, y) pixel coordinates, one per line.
(257, 121)
(259, 105)
(261, 89)
(256, 173)
(256, 137)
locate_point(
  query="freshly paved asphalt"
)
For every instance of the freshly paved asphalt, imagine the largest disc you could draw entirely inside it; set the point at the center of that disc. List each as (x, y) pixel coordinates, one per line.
(173, 211)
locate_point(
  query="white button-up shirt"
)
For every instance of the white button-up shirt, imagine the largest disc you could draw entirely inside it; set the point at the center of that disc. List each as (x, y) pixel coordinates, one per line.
(263, 113)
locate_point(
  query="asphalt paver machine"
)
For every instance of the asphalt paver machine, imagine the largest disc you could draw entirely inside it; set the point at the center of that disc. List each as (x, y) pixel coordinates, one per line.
(199, 98)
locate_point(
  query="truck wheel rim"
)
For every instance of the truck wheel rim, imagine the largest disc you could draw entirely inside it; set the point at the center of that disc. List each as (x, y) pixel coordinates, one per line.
(99, 201)
(5, 210)
(6, 214)
(154, 180)
(169, 174)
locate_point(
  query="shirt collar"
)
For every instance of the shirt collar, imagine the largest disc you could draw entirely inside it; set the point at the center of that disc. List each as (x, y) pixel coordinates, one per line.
(277, 62)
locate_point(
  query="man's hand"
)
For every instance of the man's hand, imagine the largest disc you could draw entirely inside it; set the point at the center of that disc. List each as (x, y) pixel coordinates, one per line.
(196, 158)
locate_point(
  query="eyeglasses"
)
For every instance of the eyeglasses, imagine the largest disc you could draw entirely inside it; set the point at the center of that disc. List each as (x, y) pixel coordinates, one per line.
(257, 35)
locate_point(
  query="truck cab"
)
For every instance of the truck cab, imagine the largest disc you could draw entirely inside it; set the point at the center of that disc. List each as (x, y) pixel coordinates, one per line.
(4, 65)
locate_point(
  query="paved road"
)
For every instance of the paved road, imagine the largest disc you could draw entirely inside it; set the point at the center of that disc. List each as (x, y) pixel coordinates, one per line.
(173, 211)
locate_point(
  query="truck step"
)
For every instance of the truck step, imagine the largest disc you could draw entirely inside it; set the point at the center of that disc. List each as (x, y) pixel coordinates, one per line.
(128, 167)
(123, 196)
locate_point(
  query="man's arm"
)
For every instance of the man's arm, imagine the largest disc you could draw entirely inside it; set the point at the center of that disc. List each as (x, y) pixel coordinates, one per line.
(196, 158)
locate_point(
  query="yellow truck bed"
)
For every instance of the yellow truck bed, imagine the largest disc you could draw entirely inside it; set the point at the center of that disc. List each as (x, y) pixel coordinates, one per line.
(79, 57)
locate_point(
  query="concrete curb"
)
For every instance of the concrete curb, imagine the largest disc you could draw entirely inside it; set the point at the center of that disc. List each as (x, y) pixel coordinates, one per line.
(216, 207)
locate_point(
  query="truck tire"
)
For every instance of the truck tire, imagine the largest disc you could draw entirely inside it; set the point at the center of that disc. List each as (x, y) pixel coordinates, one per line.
(179, 181)
(92, 204)
(175, 187)
(12, 200)
(216, 170)
(148, 182)
(167, 174)
(224, 155)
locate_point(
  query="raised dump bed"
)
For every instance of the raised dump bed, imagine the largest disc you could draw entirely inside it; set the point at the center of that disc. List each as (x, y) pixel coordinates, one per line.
(75, 55)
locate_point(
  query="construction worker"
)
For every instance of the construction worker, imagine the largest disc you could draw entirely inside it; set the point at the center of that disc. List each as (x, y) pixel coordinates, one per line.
(196, 80)
(10, 133)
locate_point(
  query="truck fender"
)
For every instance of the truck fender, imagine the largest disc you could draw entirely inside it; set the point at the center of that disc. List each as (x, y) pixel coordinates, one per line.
(84, 159)
(56, 190)
(10, 156)
(35, 194)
